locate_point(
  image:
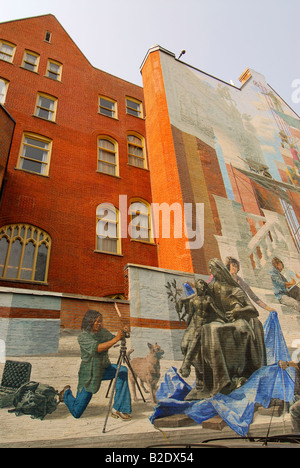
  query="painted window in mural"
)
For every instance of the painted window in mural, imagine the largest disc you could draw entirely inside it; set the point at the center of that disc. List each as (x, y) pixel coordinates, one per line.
(108, 238)
(24, 253)
(140, 224)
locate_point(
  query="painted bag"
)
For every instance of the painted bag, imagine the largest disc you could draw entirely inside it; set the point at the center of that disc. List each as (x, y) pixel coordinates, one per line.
(35, 399)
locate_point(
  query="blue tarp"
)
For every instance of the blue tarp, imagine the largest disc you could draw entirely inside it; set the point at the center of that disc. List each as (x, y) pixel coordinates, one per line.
(274, 340)
(237, 408)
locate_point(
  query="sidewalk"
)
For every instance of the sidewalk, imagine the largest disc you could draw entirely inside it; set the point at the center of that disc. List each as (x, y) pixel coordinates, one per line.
(60, 429)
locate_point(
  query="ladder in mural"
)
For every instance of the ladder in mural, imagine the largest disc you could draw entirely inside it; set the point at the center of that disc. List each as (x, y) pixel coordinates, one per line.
(286, 135)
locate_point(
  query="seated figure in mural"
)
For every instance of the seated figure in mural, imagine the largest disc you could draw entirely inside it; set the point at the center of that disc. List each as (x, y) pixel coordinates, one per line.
(201, 310)
(287, 292)
(95, 341)
(233, 266)
(228, 351)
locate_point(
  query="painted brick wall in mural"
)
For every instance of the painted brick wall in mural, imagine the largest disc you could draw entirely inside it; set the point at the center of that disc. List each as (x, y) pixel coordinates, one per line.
(255, 203)
(256, 139)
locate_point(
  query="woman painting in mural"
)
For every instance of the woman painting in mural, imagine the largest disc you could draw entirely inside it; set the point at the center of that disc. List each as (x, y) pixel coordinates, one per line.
(228, 353)
(95, 341)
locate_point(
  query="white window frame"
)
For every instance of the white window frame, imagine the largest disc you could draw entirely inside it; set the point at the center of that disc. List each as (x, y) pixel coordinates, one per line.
(132, 109)
(51, 112)
(45, 164)
(103, 108)
(9, 58)
(49, 71)
(134, 157)
(107, 216)
(27, 63)
(114, 152)
(140, 210)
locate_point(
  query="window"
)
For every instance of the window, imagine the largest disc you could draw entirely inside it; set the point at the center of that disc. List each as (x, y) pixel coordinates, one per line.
(3, 90)
(46, 107)
(136, 150)
(134, 107)
(140, 224)
(108, 156)
(24, 253)
(54, 70)
(108, 237)
(48, 36)
(35, 154)
(108, 107)
(31, 61)
(7, 51)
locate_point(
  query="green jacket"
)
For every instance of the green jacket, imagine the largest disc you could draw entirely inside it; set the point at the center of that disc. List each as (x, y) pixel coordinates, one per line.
(93, 364)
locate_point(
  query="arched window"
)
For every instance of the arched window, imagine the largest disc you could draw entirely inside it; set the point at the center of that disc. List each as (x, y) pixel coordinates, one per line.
(108, 235)
(140, 221)
(3, 90)
(24, 253)
(136, 150)
(108, 156)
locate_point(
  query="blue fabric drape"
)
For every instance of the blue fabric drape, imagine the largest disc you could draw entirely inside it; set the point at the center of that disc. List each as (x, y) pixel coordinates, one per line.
(237, 408)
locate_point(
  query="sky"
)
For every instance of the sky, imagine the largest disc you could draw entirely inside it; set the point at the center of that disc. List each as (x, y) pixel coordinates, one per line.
(220, 37)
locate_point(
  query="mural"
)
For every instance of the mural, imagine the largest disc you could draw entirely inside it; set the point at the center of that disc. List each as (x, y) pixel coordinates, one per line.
(220, 340)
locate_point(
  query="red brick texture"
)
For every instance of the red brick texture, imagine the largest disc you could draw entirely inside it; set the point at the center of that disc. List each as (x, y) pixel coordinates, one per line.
(165, 179)
(64, 203)
(183, 170)
(73, 311)
(7, 126)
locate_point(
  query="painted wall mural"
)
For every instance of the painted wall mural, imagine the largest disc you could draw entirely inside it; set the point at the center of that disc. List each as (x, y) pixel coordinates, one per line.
(219, 341)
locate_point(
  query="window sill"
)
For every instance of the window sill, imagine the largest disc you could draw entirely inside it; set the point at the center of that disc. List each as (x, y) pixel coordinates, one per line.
(31, 172)
(31, 71)
(137, 167)
(108, 253)
(144, 242)
(6, 61)
(53, 79)
(45, 120)
(110, 175)
(10, 280)
(104, 115)
(135, 116)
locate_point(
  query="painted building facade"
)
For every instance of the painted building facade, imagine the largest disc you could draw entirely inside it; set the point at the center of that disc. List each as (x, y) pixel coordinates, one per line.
(236, 152)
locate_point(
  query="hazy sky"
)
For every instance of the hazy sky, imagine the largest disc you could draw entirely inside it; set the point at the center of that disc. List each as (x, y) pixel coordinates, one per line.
(221, 37)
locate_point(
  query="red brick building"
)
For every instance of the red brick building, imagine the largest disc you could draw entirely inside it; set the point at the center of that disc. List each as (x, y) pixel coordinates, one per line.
(7, 126)
(79, 142)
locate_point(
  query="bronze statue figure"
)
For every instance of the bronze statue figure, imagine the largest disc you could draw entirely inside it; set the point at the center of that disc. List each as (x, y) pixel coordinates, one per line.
(224, 340)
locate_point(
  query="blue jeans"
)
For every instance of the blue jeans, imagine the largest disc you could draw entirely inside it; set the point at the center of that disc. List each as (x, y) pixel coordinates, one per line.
(122, 401)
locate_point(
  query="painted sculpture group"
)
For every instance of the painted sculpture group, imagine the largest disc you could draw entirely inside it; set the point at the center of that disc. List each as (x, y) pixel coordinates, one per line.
(224, 339)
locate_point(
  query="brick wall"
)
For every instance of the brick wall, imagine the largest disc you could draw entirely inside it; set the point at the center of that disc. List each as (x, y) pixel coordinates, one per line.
(7, 125)
(73, 311)
(64, 203)
(165, 179)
